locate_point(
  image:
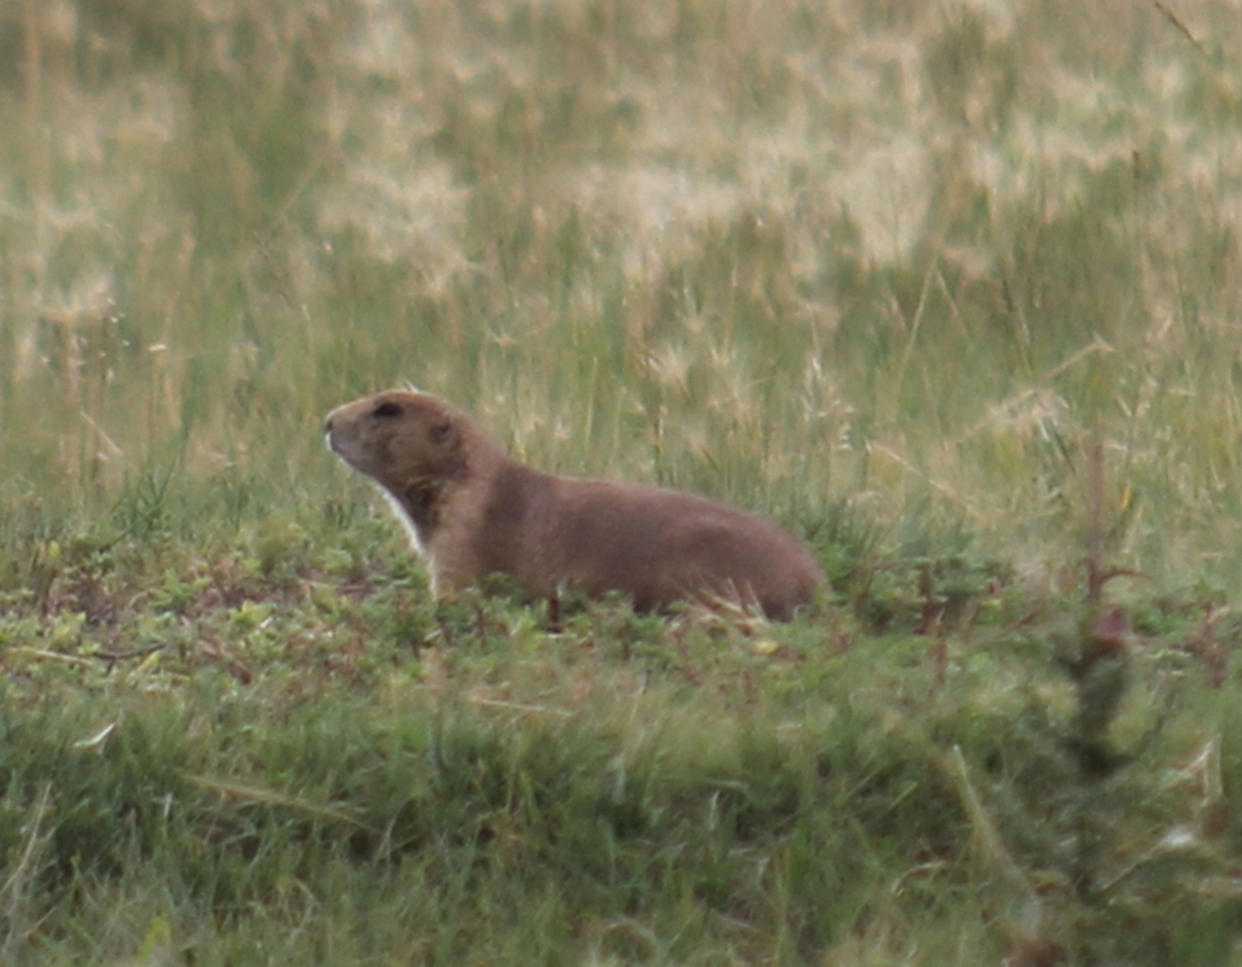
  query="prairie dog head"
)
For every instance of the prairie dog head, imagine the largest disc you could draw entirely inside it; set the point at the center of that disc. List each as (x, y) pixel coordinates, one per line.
(401, 438)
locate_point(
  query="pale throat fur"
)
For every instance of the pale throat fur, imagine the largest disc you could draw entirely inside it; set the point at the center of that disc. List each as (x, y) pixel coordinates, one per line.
(418, 498)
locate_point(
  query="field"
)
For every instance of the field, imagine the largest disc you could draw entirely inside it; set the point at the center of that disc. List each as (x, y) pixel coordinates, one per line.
(951, 290)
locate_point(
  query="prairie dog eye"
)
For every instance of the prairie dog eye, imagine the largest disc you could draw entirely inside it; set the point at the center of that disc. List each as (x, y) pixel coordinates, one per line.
(387, 410)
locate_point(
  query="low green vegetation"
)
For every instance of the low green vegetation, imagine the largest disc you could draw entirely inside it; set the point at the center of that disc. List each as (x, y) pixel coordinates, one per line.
(949, 289)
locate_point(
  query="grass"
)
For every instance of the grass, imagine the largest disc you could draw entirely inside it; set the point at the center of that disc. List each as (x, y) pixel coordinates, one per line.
(946, 288)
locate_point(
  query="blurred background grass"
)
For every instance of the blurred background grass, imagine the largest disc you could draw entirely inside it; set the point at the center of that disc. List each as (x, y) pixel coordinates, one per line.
(902, 257)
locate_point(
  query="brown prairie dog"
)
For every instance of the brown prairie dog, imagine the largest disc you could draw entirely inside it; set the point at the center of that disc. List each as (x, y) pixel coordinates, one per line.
(471, 510)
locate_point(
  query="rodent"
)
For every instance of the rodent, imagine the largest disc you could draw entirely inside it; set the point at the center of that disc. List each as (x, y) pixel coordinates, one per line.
(472, 510)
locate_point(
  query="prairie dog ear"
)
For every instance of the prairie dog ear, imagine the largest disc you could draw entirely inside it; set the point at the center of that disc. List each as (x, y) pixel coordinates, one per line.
(443, 432)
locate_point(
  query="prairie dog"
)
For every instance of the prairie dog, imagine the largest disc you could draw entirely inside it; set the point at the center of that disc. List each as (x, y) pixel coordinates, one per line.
(471, 510)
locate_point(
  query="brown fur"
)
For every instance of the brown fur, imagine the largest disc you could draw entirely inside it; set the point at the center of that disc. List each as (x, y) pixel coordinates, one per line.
(472, 511)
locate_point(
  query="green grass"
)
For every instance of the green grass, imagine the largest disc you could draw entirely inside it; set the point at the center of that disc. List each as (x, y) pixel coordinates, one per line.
(948, 288)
